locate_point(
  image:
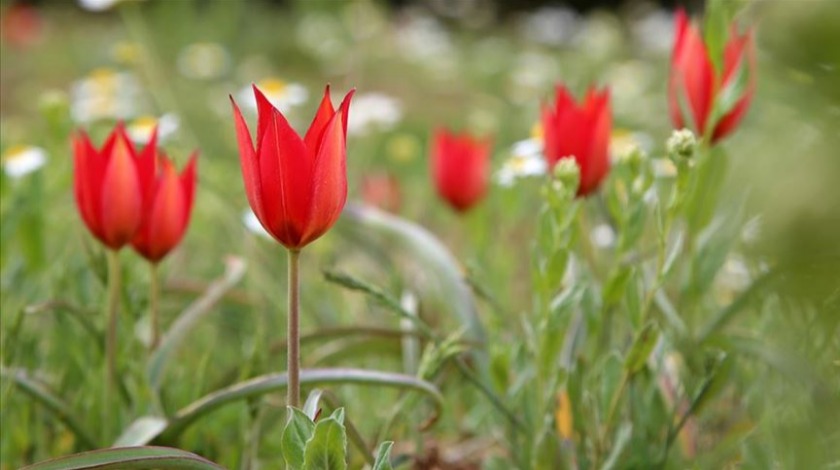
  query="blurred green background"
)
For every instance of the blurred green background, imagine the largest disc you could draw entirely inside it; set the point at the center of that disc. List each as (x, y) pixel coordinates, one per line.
(476, 65)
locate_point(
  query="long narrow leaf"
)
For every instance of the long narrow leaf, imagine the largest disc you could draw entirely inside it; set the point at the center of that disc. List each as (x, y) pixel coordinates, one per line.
(129, 458)
(276, 382)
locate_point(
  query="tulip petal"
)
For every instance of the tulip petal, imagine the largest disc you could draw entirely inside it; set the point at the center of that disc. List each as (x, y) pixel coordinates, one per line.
(167, 214)
(739, 53)
(329, 192)
(188, 177)
(249, 162)
(121, 198)
(692, 73)
(87, 180)
(319, 123)
(286, 180)
(597, 145)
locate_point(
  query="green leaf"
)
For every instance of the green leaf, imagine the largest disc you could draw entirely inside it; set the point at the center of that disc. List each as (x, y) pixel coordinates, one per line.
(234, 270)
(616, 285)
(270, 383)
(641, 349)
(717, 21)
(128, 458)
(327, 450)
(338, 415)
(141, 431)
(299, 429)
(383, 456)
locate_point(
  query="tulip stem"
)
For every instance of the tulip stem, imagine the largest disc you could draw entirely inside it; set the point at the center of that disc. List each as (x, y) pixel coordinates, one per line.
(154, 299)
(111, 335)
(293, 339)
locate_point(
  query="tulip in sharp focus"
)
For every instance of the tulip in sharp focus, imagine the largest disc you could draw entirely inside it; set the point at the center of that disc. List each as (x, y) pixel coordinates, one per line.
(696, 87)
(167, 205)
(107, 185)
(460, 167)
(579, 131)
(296, 186)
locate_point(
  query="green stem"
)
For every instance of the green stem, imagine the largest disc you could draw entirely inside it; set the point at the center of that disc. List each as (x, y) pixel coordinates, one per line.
(111, 334)
(154, 301)
(293, 340)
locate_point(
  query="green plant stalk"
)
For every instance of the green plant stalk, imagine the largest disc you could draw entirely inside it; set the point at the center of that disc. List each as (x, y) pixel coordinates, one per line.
(111, 335)
(154, 301)
(293, 331)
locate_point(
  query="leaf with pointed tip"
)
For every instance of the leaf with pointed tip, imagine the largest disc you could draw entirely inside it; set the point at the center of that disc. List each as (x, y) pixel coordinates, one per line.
(327, 450)
(311, 407)
(299, 429)
(383, 456)
(641, 349)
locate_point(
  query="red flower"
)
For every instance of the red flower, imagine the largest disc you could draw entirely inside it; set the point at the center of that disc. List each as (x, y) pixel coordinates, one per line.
(460, 165)
(383, 191)
(107, 186)
(296, 187)
(167, 205)
(695, 82)
(579, 131)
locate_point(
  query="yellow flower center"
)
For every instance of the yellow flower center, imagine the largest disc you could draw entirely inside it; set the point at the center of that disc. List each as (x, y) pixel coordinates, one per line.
(144, 123)
(16, 152)
(272, 86)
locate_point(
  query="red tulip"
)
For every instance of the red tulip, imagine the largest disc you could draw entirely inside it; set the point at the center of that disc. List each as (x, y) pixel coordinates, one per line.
(107, 186)
(167, 205)
(696, 87)
(296, 187)
(579, 131)
(460, 165)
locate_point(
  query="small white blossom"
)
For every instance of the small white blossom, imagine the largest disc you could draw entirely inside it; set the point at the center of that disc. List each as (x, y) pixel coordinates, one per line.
(527, 160)
(104, 94)
(603, 236)
(22, 160)
(551, 26)
(284, 96)
(372, 111)
(140, 129)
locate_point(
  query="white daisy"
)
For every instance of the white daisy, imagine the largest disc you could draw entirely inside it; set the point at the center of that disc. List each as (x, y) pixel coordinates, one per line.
(204, 61)
(527, 160)
(551, 26)
(284, 96)
(373, 111)
(21, 160)
(104, 94)
(140, 129)
(99, 5)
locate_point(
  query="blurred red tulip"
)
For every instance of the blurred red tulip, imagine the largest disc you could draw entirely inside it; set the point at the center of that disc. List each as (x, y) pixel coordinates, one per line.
(167, 205)
(579, 131)
(21, 25)
(107, 185)
(383, 191)
(695, 87)
(296, 187)
(460, 166)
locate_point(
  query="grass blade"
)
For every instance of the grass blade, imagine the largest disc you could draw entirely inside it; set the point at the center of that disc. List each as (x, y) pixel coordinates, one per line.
(128, 458)
(275, 382)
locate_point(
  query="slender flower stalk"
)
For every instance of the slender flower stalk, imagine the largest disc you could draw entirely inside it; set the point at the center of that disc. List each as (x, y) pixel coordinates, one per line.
(293, 331)
(154, 301)
(111, 334)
